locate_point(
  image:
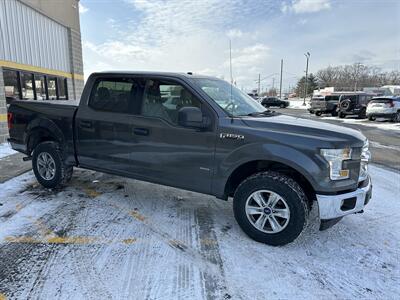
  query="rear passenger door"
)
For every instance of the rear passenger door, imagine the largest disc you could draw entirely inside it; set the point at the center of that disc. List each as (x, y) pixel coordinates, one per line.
(165, 152)
(104, 125)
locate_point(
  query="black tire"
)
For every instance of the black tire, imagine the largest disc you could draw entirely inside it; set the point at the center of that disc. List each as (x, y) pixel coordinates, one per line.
(396, 117)
(62, 172)
(362, 114)
(334, 112)
(318, 113)
(311, 111)
(288, 189)
(282, 106)
(371, 118)
(342, 115)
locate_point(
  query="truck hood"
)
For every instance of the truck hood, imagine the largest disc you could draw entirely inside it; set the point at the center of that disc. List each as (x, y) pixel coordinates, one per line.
(307, 128)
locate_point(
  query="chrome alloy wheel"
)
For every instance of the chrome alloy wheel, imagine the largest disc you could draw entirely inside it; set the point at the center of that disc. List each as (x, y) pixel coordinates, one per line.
(267, 211)
(46, 166)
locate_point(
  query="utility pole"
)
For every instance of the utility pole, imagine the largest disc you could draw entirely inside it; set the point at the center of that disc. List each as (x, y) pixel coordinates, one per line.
(259, 84)
(280, 88)
(305, 86)
(230, 59)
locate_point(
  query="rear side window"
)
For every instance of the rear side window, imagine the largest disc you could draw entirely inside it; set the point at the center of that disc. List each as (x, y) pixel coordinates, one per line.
(113, 95)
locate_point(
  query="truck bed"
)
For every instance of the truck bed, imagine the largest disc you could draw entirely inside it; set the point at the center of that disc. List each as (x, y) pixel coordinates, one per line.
(56, 116)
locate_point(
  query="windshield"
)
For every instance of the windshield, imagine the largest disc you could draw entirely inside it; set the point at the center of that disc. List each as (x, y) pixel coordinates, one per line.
(229, 98)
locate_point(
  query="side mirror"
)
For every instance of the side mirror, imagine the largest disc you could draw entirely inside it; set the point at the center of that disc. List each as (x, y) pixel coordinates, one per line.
(191, 117)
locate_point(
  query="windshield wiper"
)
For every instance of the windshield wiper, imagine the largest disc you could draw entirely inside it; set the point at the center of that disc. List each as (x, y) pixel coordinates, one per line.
(262, 113)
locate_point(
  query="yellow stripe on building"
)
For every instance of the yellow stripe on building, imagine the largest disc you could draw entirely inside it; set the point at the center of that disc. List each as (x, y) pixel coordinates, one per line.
(3, 118)
(23, 67)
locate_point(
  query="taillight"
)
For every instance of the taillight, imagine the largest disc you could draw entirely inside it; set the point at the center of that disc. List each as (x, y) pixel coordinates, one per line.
(391, 104)
(10, 118)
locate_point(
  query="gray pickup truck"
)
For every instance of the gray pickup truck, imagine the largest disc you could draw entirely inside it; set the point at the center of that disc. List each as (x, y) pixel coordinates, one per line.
(201, 134)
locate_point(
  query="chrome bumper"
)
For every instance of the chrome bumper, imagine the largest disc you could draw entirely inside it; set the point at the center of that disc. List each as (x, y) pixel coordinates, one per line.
(336, 206)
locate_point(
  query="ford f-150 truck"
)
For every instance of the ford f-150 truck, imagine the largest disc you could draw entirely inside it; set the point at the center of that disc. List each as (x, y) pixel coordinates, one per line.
(201, 134)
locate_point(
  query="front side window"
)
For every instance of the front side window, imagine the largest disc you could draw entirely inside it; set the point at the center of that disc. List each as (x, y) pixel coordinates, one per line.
(163, 99)
(113, 95)
(11, 86)
(228, 97)
(27, 86)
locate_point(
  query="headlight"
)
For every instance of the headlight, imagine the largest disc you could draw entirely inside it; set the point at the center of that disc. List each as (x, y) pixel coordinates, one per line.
(335, 158)
(365, 157)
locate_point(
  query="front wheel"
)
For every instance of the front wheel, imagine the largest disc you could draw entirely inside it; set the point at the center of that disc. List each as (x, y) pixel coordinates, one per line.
(318, 113)
(271, 208)
(342, 115)
(48, 165)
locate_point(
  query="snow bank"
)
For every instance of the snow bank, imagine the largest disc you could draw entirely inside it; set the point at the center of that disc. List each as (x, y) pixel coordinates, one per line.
(298, 103)
(5, 150)
(380, 124)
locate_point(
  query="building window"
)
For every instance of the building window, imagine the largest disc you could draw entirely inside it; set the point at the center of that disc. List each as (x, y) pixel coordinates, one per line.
(40, 87)
(27, 86)
(62, 88)
(52, 87)
(11, 85)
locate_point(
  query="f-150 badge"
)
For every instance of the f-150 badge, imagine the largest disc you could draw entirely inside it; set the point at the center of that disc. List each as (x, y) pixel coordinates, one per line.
(231, 136)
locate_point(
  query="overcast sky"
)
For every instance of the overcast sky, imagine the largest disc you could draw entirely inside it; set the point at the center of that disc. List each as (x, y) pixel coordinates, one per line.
(185, 35)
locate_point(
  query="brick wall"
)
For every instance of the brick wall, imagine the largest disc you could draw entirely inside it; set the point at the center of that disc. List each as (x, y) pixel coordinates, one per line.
(3, 111)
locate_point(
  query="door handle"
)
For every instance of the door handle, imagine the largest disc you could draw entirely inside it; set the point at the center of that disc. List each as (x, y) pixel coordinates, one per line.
(141, 131)
(85, 124)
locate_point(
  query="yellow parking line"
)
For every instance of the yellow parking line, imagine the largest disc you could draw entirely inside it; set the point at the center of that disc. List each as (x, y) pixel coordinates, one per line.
(75, 240)
(3, 297)
(137, 216)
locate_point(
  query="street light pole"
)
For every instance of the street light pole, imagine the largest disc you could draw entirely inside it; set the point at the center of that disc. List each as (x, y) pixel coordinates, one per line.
(280, 86)
(305, 86)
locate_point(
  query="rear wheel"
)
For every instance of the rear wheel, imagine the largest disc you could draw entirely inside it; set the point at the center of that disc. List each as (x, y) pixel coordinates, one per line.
(334, 112)
(318, 113)
(48, 165)
(371, 118)
(270, 208)
(342, 115)
(362, 114)
(282, 106)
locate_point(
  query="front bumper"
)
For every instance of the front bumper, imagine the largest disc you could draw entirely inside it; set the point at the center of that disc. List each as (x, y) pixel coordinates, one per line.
(381, 115)
(337, 206)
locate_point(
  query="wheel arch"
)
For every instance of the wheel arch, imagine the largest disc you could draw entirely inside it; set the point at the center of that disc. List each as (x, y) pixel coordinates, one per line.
(42, 130)
(249, 168)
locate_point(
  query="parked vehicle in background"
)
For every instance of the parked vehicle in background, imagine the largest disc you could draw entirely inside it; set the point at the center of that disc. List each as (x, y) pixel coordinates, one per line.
(253, 95)
(324, 105)
(354, 104)
(274, 101)
(384, 107)
(213, 139)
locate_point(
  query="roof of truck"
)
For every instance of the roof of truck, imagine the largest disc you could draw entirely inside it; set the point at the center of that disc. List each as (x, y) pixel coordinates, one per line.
(156, 73)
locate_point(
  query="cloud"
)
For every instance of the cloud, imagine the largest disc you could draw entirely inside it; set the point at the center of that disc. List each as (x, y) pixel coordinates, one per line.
(305, 6)
(234, 33)
(178, 35)
(82, 9)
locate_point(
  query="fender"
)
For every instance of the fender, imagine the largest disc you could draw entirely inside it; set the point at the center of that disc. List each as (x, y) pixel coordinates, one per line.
(47, 125)
(279, 153)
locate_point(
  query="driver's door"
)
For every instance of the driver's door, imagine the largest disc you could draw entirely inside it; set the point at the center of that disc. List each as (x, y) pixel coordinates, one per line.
(165, 152)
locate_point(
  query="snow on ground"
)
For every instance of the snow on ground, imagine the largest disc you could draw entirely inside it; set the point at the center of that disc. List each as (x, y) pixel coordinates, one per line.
(381, 124)
(106, 237)
(5, 150)
(297, 103)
